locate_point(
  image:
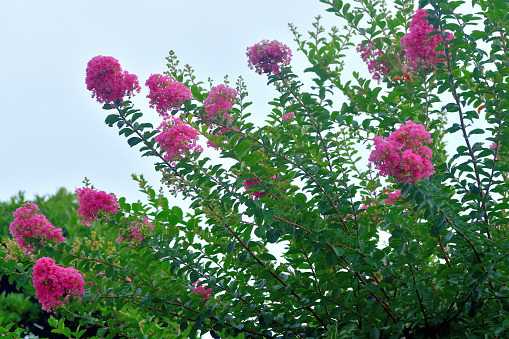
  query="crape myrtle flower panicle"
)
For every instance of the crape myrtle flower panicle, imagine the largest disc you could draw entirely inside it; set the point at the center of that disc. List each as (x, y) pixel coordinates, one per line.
(378, 67)
(404, 154)
(92, 203)
(418, 46)
(201, 289)
(27, 224)
(107, 81)
(136, 232)
(219, 101)
(177, 139)
(166, 94)
(52, 282)
(268, 57)
(393, 197)
(288, 116)
(253, 181)
(497, 147)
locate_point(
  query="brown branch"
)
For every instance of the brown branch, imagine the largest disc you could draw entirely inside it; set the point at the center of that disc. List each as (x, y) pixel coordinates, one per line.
(418, 296)
(273, 273)
(443, 250)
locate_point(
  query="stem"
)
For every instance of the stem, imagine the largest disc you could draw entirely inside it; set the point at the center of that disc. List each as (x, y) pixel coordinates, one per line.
(418, 295)
(273, 274)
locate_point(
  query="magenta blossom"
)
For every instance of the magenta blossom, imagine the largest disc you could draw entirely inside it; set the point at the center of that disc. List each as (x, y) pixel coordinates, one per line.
(52, 282)
(253, 181)
(107, 81)
(418, 46)
(92, 203)
(136, 232)
(201, 289)
(166, 94)
(393, 196)
(377, 66)
(177, 139)
(219, 101)
(27, 224)
(497, 147)
(268, 57)
(288, 116)
(404, 154)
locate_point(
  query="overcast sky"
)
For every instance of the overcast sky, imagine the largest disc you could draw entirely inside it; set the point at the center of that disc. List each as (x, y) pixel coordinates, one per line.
(53, 132)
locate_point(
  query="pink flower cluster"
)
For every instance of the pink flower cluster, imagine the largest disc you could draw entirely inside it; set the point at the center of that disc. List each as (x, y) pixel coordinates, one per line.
(288, 116)
(253, 181)
(365, 207)
(378, 67)
(268, 56)
(107, 81)
(404, 154)
(201, 289)
(177, 138)
(136, 232)
(92, 203)
(219, 101)
(52, 282)
(497, 147)
(166, 94)
(393, 197)
(418, 46)
(27, 224)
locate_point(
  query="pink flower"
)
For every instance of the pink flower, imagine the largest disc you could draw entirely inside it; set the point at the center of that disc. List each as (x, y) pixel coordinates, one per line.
(288, 116)
(52, 282)
(136, 232)
(417, 46)
(219, 101)
(378, 67)
(253, 181)
(177, 139)
(268, 57)
(92, 203)
(107, 81)
(404, 154)
(393, 197)
(365, 207)
(497, 147)
(148, 223)
(201, 289)
(166, 94)
(27, 224)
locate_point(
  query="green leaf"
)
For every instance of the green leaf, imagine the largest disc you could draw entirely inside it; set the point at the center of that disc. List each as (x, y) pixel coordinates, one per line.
(243, 147)
(52, 322)
(244, 257)
(297, 159)
(230, 247)
(439, 225)
(260, 232)
(272, 236)
(111, 119)
(476, 131)
(134, 141)
(194, 276)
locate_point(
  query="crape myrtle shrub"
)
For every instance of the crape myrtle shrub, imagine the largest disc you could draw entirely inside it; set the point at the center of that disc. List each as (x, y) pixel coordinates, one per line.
(299, 181)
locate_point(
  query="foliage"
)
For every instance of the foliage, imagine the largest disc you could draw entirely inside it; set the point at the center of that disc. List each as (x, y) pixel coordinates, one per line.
(303, 185)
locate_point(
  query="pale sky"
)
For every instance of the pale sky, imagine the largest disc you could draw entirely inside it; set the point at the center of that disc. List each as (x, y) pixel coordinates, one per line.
(53, 131)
